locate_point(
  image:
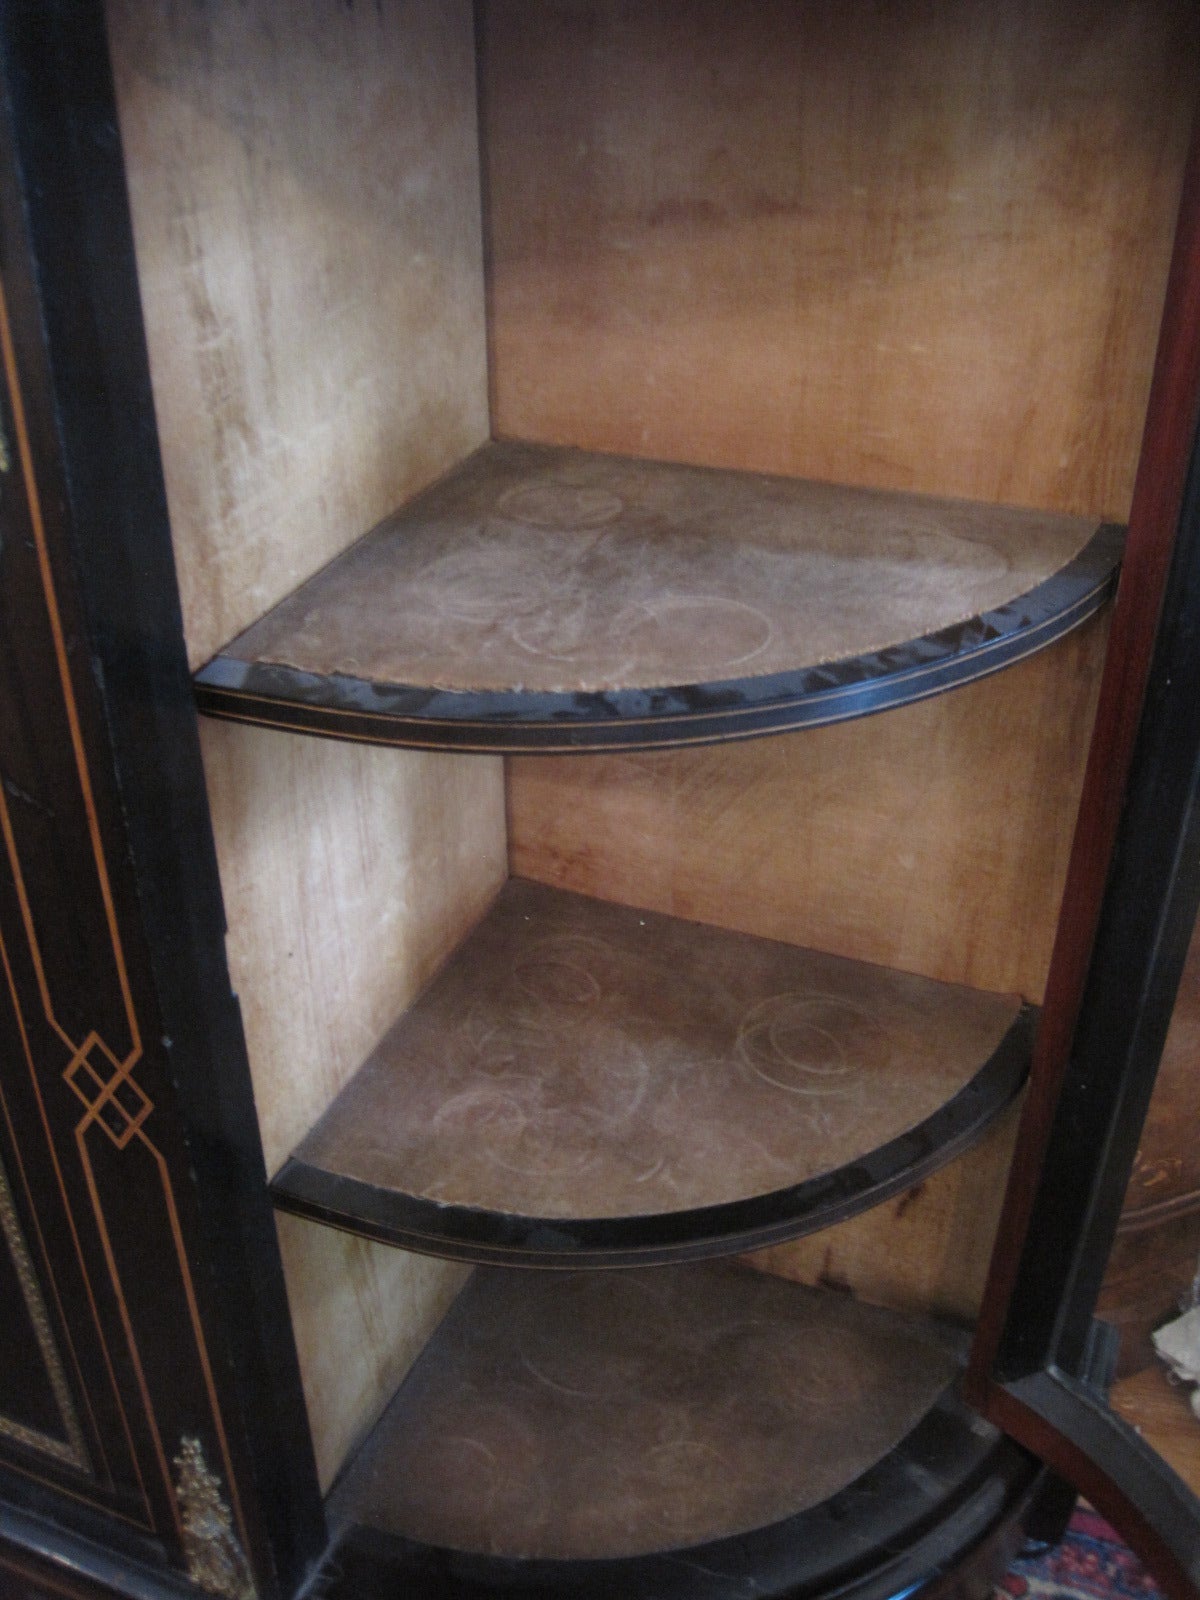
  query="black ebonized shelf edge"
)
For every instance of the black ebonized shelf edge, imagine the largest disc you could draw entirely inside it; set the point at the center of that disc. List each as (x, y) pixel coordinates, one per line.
(342, 707)
(909, 1519)
(469, 1234)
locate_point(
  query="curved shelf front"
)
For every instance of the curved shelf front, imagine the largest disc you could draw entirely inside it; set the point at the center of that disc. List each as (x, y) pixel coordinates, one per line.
(699, 1432)
(544, 599)
(588, 1084)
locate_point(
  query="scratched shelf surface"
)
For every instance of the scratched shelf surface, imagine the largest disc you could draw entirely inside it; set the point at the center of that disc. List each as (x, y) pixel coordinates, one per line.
(697, 1430)
(540, 598)
(588, 1083)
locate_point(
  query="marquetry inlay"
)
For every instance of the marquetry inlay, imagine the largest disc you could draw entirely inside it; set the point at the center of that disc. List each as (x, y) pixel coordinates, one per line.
(107, 1088)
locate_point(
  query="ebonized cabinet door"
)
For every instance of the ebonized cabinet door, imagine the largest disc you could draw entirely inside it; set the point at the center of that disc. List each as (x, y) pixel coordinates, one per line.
(123, 1397)
(107, 1376)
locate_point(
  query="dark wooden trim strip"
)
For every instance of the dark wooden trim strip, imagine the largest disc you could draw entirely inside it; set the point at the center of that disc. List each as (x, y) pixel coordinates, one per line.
(1069, 1425)
(82, 357)
(62, 1562)
(470, 1234)
(913, 1516)
(1158, 496)
(335, 706)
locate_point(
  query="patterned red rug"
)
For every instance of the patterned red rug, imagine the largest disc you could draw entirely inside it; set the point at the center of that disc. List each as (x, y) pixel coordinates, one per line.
(1090, 1563)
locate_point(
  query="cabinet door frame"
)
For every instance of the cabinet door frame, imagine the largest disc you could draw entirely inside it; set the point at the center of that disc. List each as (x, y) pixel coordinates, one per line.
(1131, 901)
(157, 1139)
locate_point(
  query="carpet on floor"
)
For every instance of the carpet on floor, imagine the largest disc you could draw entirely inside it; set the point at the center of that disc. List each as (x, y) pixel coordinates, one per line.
(1091, 1563)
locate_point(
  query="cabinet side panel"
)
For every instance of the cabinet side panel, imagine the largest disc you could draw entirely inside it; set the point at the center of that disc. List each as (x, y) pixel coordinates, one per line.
(934, 838)
(921, 248)
(304, 181)
(362, 1313)
(349, 874)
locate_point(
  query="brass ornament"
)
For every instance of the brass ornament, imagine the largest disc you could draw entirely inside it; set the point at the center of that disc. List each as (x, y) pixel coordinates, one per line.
(215, 1560)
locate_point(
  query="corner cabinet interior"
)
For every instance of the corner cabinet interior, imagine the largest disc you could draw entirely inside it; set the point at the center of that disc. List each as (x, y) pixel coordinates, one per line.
(555, 399)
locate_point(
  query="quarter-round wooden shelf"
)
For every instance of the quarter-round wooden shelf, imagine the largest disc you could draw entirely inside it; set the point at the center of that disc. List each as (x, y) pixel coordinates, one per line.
(585, 1083)
(549, 599)
(687, 1431)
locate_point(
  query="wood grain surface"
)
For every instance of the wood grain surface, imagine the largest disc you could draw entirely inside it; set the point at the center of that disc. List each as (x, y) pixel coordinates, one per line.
(562, 572)
(580, 1060)
(362, 1313)
(608, 1414)
(1159, 496)
(933, 839)
(1158, 1408)
(916, 249)
(304, 182)
(348, 874)
(926, 1252)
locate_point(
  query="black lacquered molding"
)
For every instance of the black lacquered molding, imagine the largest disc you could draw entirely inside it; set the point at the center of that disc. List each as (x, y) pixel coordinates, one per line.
(1071, 1425)
(948, 1485)
(469, 1234)
(341, 707)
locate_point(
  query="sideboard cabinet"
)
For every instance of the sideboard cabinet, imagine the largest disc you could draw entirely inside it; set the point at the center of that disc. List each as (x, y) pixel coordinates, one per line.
(558, 567)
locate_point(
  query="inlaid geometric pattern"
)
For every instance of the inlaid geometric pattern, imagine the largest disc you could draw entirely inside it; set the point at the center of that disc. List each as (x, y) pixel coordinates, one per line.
(108, 1091)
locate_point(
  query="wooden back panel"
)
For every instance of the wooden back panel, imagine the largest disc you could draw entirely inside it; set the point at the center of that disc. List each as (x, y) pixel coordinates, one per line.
(915, 249)
(932, 838)
(920, 248)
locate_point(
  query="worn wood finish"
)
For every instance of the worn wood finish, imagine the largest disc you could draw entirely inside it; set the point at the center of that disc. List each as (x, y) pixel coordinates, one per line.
(926, 1251)
(559, 1416)
(349, 875)
(542, 598)
(305, 193)
(1158, 1409)
(589, 1079)
(940, 1517)
(362, 1316)
(933, 839)
(1154, 522)
(858, 243)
